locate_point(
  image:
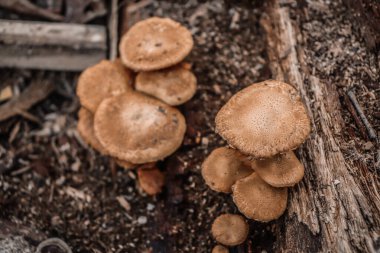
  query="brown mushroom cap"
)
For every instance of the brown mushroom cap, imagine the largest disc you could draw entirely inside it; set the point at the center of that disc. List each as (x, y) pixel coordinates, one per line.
(100, 81)
(124, 164)
(137, 128)
(173, 86)
(151, 180)
(264, 119)
(155, 43)
(282, 170)
(230, 229)
(258, 200)
(86, 130)
(219, 249)
(222, 168)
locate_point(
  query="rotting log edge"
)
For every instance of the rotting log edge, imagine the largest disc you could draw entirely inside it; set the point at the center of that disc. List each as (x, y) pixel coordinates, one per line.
(322, 216)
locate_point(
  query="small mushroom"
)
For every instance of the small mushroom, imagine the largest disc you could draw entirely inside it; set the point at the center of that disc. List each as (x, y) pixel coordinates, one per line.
(219, 249)
(173, 86)
(230, 229)
(85, 128)
(258, 200)
(100, 81)
(222, 168)
(155, 43)
(137, 128)
(282, 170)
(151, 180)
(264, 119)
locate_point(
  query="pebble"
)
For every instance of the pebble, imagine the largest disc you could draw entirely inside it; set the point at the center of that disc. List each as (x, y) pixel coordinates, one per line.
(142, 220)
(150, 207)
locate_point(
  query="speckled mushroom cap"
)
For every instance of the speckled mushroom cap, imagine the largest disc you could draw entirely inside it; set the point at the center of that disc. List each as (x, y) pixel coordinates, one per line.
(100, 81)
(174, 86)
(222, 168)
(155, 43)
(230, 229)
(137, 128)
(258, 200)
(220, 249)
(282, 170)
(85, 128)
(264, 119)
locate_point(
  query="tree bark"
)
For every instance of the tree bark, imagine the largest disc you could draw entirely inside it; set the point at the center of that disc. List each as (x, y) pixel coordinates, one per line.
(336, 207)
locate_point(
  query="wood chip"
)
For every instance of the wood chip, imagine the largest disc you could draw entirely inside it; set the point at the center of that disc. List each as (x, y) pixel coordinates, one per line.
(124, 203)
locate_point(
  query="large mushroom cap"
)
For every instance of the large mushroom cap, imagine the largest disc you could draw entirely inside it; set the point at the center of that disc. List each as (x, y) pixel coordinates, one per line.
(100, 81)
(230, 229)
(138, 129)
(173, 86)
(155, 43)
(282, 170)
(264, 119)
(222, 168)
(86, 130)
(258, 200)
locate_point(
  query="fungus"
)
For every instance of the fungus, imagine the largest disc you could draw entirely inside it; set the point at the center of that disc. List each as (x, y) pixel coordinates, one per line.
(230, 229)
(282, 170)
(125, 164)
(222, 168)
(86, 130)
(155, 43)
(100, 81)
(151, 180)
(264, 119)
(219, 249)
(173, 86)
(137, 128)
(258, 200)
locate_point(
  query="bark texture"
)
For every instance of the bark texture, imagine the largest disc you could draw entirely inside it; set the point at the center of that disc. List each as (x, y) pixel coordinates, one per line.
(336, 207)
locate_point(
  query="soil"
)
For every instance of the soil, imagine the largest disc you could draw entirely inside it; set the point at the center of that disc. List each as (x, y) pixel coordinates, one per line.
(54, 185)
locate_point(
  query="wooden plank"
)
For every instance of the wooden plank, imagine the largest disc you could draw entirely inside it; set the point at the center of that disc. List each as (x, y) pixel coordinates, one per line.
(52, 46)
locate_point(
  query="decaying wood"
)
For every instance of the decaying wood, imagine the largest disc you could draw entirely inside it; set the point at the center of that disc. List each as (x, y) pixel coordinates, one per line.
(51, 46)
(76, 10)
(35, 92)
(26, 7)
(336, 207)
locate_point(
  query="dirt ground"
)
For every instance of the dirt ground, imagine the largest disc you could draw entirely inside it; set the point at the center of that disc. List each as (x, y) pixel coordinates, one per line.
(53, 185)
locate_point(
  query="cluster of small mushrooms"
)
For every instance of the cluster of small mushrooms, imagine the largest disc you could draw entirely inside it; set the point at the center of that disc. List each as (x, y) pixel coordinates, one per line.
(262, 124)
(128, 104)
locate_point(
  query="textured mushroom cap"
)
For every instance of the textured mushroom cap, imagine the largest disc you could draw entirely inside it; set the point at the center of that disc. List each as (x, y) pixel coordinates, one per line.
(264, 119)
(230, 229)
(137, 128)
(222, 168)
(282, 170)
(258, 200)
(86, 130)
(100, 81)
(155, 43)
(219, 249)
(173, 86)
(125, 164)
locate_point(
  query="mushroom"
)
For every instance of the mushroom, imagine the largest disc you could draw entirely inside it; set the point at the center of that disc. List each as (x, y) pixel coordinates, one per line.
(137, 128)
(174, 86)
(155, 43)
(264, 119)
(258, 200)
(230, 229)
(222, 168)
(219, 249)
(85, 128)
(282, 170)
(124, 164)
(151, 180)
(100, 81)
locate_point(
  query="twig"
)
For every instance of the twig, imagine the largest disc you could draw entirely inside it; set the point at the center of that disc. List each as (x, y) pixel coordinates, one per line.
(113, 29)
(371, 132)
(26, 7)
(355, 116)
(35, 92)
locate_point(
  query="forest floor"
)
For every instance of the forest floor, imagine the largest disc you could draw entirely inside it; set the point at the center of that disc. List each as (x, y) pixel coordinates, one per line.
(53, 185)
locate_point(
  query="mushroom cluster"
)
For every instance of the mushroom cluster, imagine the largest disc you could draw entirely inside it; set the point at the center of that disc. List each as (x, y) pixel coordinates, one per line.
(128, 104)
(262, 124)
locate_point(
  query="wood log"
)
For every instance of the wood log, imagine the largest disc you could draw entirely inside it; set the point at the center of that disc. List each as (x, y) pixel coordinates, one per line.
(51, 46)
(337, 205)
